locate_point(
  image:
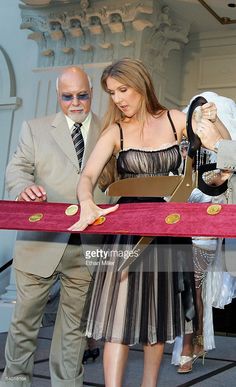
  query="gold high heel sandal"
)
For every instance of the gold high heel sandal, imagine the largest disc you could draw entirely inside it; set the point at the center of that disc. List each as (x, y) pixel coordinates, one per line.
(198, 341)
(185, 364)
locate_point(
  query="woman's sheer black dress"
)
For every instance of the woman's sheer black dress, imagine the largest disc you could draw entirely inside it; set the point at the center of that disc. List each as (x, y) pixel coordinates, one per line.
(151, 300)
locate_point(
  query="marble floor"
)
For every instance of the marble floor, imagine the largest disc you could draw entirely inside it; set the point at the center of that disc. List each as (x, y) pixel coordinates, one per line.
(219, 369)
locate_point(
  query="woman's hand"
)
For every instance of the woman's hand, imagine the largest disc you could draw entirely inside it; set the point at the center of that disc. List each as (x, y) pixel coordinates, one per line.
(89, 213)
(209, 111)
(208, 133)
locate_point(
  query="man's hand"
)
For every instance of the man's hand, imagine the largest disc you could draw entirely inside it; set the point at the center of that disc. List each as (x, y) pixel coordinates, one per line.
(33, 193)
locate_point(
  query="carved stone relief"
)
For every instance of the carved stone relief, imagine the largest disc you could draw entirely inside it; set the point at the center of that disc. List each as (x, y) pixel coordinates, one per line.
(82, 31)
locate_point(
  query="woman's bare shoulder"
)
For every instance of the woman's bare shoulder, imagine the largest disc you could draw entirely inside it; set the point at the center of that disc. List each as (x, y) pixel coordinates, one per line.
(177, 114)
(111, 135)
(178, 117)
(112, 129)
(179, 120)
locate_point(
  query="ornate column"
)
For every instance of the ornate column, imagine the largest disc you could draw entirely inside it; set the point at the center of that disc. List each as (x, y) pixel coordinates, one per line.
(83, 31)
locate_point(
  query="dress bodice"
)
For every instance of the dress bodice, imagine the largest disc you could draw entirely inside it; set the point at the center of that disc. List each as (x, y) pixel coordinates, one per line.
(139, 162)
(134, 162)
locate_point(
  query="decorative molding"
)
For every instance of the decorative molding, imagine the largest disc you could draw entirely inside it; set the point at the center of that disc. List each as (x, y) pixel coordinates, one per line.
(11, 103)
(36, 2)
(99, 65)
(222, 39)
(221, 19)
(83, 31)
(168, 34)
(8, 84)
(8, 99)
(8, 103)
(217, 72)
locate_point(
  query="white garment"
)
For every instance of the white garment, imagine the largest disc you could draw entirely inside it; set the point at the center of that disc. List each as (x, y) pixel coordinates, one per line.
(226, 110)
(218, 288)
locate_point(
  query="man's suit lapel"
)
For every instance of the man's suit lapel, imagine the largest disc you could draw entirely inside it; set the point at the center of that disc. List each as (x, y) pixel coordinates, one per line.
(62, 136)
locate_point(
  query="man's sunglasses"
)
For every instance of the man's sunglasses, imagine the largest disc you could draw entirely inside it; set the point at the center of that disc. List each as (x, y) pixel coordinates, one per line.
(79, 97)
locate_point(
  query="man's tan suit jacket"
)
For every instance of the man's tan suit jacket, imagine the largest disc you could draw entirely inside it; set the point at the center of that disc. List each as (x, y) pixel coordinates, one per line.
(46, 156)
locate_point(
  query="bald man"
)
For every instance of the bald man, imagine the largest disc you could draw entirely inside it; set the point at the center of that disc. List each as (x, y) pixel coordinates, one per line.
(46, 167)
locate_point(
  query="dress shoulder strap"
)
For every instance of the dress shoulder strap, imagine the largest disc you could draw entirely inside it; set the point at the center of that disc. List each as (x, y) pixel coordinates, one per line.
(172, 125)
(121, 136)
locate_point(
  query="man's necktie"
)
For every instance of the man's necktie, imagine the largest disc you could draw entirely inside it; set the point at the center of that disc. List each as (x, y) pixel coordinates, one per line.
(78, 141)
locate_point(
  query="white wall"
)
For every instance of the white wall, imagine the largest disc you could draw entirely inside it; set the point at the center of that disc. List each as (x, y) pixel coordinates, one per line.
(209, 63)
(174, 75)
(22, 58)
(36, 88)
(206, 62)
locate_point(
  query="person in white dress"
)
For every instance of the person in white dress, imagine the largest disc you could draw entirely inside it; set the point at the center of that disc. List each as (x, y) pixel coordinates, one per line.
(214, 286)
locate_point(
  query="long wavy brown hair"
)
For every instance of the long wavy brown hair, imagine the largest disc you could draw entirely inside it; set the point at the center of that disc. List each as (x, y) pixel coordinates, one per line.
(132, 73)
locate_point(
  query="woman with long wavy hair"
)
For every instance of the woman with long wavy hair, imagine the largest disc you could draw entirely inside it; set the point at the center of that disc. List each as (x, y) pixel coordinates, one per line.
(149, 302)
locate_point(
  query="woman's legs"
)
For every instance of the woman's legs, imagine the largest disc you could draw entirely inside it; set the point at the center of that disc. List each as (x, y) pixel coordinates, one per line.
(114, 362)
(186, 359)
(152, 361)
(198, 345)
(115, 358)
(193, 342)
(203, 256)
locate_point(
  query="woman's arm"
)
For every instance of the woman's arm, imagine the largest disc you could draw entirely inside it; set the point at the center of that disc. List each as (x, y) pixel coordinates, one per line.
(222, 129)
(208, 133)
(105, 147)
